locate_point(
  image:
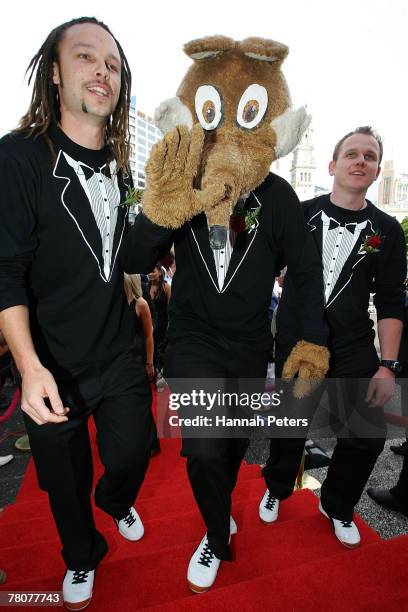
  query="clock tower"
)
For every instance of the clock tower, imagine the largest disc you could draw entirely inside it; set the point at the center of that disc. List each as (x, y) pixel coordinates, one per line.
(303, 167)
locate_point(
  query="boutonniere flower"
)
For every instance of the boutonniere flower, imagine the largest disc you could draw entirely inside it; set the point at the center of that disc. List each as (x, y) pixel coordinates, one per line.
(133, 196)
(243, 220)
(372, 243)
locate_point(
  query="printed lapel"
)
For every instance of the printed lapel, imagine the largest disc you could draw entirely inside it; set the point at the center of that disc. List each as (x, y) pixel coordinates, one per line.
(76, 198)
(354, 259)
(199, 231)
(243, 242)
(76, 202)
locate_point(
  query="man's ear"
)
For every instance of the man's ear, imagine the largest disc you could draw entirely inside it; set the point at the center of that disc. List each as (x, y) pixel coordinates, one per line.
(332, 167)
(378, 172)
(56, 74)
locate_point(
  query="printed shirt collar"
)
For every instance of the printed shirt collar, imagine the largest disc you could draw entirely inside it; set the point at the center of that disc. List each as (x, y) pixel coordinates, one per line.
(91, 157)
(343, 215)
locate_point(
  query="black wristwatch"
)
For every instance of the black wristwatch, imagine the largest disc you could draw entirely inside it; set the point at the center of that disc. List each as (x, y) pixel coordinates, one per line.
(394, 366)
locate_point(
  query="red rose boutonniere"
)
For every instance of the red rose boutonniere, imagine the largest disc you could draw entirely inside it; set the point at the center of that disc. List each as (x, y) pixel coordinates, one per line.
(237, 223)
(243, 220)
(372, 243)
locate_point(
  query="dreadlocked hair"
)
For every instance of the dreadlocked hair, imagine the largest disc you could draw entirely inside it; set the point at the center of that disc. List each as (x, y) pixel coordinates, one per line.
(44, 107)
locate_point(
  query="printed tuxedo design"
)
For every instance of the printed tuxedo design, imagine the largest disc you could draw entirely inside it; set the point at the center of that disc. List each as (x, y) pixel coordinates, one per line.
(340, 249)
(222, 265)
(92, 198)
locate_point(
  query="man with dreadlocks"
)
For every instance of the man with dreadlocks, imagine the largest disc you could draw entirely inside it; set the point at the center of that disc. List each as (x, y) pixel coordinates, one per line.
(63, 310)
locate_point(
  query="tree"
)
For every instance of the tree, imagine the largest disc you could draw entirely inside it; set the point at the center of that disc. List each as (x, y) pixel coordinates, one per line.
(404, 225)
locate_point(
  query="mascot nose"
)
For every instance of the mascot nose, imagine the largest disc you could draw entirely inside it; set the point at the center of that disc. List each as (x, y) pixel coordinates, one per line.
(218, 237)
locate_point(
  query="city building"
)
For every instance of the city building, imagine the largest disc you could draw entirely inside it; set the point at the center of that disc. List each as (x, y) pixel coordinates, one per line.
(303, 167)
(393, 191)
(143, 135)
(393, 187)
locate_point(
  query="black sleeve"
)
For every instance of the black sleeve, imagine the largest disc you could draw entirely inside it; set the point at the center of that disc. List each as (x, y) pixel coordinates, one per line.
(144, 245)
(305, 272)
(18, 240)
(389, 298)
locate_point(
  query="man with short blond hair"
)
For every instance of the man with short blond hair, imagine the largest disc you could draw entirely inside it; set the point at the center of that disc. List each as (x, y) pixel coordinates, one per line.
(363, 252)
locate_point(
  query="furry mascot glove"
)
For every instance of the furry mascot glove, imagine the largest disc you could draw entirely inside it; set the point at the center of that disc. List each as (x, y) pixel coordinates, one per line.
(170, 198)
(310, 362)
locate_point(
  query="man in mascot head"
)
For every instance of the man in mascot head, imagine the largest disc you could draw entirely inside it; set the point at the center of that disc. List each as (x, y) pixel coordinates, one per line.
(234, 225)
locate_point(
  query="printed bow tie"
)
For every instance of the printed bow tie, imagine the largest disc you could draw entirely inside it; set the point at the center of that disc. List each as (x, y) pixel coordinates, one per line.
(335, 224)
(89, 172)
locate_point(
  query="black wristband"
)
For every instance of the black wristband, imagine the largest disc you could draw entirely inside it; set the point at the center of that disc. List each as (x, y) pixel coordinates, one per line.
(392, 365)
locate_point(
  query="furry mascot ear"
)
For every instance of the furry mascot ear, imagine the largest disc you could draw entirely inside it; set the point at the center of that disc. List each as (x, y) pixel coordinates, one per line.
(171, 113)
(289, 129)
(208, 47)
(263, 49)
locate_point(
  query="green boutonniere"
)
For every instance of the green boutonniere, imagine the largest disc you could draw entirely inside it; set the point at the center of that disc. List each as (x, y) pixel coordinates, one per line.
(133, 196)
(243, 220)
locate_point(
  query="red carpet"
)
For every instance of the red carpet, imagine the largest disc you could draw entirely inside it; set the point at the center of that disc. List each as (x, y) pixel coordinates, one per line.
(295, 564)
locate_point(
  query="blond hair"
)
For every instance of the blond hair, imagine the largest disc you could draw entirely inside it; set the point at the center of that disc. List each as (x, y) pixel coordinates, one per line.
(133, 286)
(365, 129)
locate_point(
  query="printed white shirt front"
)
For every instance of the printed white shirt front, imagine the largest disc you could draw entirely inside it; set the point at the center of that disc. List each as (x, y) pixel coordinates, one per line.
(104, 198)
(222, 257)
(338, 242)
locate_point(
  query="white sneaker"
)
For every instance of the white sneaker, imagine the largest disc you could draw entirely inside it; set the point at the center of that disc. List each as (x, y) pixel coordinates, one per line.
(233, 526)
(131, 526)
(5, 459)
(345, 531)
(77, 589)
(203, 568)
(268, 508)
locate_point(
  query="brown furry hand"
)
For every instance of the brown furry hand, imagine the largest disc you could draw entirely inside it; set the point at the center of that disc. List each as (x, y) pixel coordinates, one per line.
(170, 199)
(310, 362)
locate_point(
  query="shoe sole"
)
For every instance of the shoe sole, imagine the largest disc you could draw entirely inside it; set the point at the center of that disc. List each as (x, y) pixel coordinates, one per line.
(197, 589)
(80, 605)
(346, 544)
(130, 539)
(268, 522)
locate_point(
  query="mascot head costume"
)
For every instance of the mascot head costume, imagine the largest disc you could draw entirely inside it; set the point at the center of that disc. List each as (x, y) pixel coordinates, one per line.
(234, 118)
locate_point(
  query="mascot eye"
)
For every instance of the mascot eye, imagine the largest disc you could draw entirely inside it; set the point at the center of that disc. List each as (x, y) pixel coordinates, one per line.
(209, 111)
(208, 107)
(252, 106)
(251, 109)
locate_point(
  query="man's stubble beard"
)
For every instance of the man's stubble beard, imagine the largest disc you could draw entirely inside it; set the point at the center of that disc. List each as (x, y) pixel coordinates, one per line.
(86, 111)
(83, 104)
